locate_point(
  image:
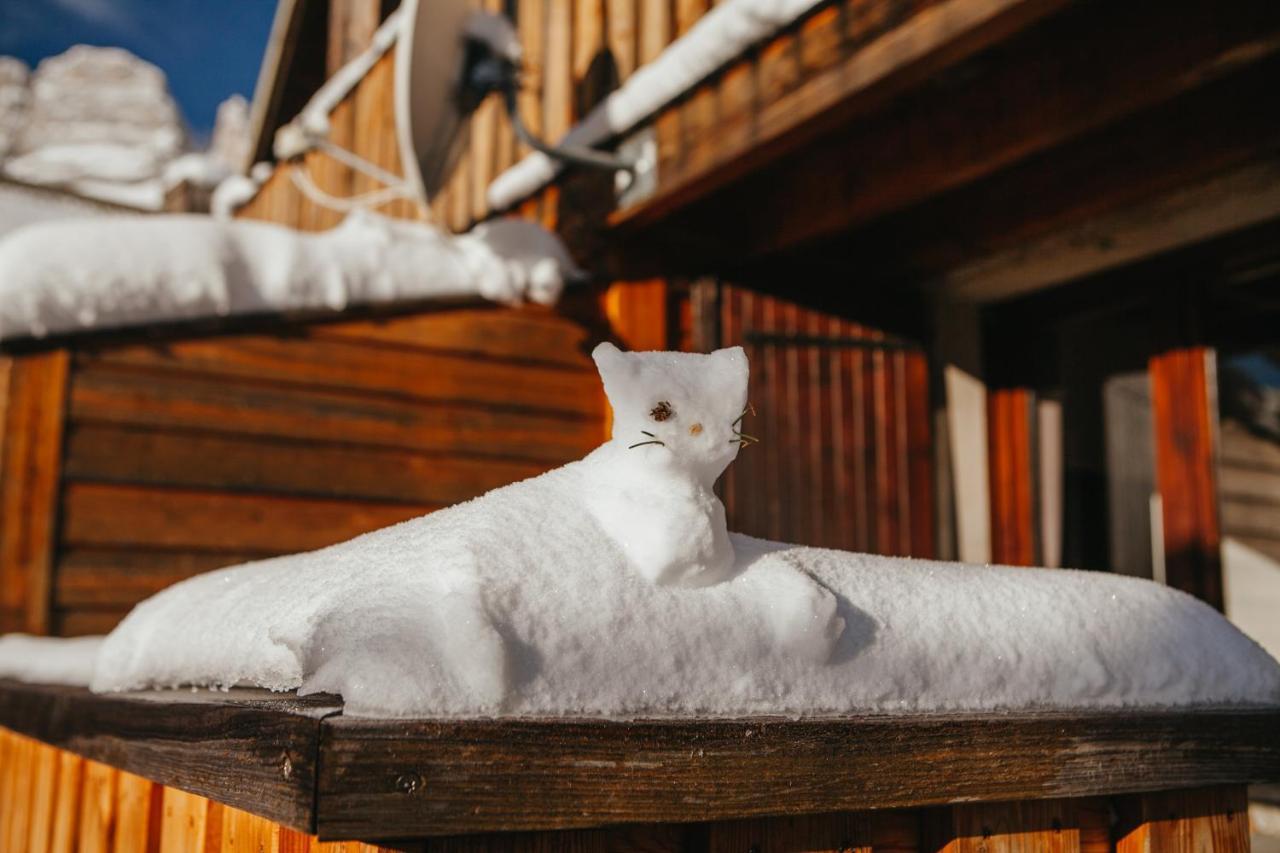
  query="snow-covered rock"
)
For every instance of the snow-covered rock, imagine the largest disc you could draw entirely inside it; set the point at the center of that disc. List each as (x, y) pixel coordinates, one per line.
(119, 271)
(97, 121)
(522, 602)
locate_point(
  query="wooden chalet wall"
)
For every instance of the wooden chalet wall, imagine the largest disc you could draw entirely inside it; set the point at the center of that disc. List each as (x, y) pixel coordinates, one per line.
(201, 451)
(846, 457)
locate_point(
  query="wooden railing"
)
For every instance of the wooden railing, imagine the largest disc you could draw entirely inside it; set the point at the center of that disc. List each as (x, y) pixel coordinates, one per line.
(1142, 781)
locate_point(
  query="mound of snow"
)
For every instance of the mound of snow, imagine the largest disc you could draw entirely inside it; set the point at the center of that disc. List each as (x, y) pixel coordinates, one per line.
(536, 599)
(74, 275)
(97, 121)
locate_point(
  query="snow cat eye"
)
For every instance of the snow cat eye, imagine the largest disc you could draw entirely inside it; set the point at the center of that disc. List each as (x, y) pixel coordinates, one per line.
(662, 411)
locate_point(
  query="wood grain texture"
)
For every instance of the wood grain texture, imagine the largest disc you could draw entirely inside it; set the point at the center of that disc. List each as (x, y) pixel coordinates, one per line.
(627, 765)
(30, 469)
(1184, 419)
(1184, 821)
(247, 749)
(846, 444)
(522, 775)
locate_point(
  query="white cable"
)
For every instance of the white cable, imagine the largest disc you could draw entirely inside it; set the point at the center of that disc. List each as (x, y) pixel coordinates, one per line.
(302, 180)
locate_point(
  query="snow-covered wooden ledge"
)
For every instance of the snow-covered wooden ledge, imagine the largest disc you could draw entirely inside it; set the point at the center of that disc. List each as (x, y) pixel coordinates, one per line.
(301, 764)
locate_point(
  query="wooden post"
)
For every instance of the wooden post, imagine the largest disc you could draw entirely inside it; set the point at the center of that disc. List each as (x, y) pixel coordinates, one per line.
(1011, 451)
(1184, 418)
(30, 468)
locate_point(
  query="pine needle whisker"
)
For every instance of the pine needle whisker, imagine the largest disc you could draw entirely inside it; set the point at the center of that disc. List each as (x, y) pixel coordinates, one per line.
(643, 443)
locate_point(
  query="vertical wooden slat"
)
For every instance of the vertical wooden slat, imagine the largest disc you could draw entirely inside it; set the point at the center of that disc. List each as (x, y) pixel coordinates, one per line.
(65, 832)
(137, 814)
(1050, 826)
(621, 15)
(655, 29)
(919, 417)
(30, 466)
(1188, 821)
(44, 797)
(243, 832)
(1185, 422)
(15, 811)
(1010, 421)
(557, 91)
(97, 808)
(531, 19)
(184, 821)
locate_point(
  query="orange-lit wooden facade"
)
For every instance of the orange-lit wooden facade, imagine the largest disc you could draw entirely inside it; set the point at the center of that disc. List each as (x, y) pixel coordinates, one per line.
(1041, 191)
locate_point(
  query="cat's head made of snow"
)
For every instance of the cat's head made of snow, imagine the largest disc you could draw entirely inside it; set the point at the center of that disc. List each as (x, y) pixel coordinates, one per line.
(676, 409)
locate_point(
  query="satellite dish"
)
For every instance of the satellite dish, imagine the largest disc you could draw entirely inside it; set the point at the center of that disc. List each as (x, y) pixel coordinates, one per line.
(448, 59)
(431, 129)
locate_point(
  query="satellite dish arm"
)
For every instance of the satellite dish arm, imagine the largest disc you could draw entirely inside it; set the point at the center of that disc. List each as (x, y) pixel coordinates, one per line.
(569, 153)
(487, 71)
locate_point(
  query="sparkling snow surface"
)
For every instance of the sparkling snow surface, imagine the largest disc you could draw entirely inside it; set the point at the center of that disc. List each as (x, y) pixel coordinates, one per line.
(75, 275)
(527, 601)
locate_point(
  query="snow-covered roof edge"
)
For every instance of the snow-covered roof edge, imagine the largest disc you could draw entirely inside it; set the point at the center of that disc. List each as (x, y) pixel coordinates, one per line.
(718, 37)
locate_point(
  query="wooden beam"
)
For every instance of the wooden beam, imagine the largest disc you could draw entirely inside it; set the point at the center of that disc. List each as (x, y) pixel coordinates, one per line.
(1184, 415)
(251, 749)
(1228, 202)
(30, 473)
(298, 761)
(868, 76)
(1097, 65)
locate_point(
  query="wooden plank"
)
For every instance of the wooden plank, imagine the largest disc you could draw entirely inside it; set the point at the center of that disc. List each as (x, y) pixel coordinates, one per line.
(345, 365)
(1011, 457)
(918, 420)
(526, 774)
(1050, 826)
(44, 797)
(1186, 821)
(243, 832)
(249, 749)
(66, 812)
(141, 398)
(530, 334)
(531, 18)
(137, 811)
(117, 579)
(1184, 419)
(184, 822)
(126, 455)
(557, 83)
(849, 832)
(15, 817)
(97, 807)
(29, 474)
(129, 516)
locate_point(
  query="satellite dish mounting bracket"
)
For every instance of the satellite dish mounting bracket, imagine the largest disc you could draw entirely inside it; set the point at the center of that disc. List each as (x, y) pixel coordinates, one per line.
(485, 72)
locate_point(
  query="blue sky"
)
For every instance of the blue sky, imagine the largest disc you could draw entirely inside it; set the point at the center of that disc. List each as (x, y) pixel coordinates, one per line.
(209, 48)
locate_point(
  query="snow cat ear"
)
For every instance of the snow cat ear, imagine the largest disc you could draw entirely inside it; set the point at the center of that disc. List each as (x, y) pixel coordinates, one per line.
(732, 370)
(616, 371)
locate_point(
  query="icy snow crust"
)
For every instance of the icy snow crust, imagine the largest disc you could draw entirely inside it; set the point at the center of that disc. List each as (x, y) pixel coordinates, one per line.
(74, 275)
(607, 587)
